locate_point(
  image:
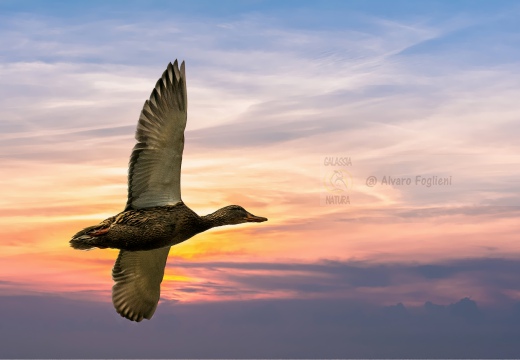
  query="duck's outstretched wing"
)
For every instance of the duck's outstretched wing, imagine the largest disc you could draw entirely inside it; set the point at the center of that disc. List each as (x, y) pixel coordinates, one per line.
(154, 173)
(138, 276)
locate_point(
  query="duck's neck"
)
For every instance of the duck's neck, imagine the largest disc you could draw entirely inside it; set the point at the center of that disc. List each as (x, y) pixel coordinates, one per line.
(213, 220)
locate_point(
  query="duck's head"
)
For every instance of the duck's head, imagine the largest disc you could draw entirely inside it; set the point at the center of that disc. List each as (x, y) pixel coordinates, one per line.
(234, 214)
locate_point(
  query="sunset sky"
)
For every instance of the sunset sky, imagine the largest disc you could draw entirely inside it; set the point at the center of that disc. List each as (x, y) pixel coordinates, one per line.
(284, 98)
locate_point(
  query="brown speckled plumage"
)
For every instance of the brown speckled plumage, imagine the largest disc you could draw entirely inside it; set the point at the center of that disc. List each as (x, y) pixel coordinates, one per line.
(155, 218)
(144, 229)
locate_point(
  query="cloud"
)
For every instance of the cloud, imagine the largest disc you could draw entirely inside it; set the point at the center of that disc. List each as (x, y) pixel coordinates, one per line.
(269, 84)
(493, 280)
(271, 94)
(51, 327)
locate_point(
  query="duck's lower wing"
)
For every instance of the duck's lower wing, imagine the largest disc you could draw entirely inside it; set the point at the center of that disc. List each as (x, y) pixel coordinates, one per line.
(138, 276)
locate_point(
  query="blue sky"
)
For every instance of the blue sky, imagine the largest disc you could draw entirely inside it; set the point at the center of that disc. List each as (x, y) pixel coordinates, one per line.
(404, 88)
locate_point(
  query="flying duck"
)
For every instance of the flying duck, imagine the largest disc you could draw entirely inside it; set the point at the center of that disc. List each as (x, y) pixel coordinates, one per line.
(155, 217)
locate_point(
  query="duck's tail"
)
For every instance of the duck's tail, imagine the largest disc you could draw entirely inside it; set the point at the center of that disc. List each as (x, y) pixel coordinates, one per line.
(88, 238)
(83, 242)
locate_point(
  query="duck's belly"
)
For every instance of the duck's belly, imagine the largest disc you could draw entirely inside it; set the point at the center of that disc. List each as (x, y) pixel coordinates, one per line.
(149, 235)
(135, 239)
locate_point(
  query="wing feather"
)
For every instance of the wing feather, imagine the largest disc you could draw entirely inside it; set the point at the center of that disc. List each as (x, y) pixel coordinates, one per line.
(138, 276)
(155, 164)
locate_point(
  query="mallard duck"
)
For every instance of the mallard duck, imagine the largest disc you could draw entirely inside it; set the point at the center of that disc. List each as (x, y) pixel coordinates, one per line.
(155, 217)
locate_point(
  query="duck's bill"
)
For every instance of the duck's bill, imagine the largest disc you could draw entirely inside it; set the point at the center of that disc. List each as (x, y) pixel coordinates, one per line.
(252, 218)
